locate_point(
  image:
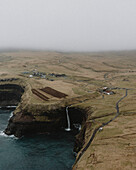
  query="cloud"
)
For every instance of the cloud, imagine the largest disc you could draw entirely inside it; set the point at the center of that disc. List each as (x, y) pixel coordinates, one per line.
(71, 25)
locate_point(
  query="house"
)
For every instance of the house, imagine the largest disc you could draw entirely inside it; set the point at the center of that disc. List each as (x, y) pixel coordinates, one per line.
(105, 88)
(30, 76)
(108, 92)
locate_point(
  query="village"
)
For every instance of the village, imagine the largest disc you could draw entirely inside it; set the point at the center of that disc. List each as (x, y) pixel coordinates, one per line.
(42, 75)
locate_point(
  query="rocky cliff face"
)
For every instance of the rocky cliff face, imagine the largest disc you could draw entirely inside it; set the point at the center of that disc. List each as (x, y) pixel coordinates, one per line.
(24, 123)
(30, 118)
(10, 94)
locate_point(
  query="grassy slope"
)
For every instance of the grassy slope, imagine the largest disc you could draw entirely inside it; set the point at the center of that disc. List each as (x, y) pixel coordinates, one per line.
(112, 148)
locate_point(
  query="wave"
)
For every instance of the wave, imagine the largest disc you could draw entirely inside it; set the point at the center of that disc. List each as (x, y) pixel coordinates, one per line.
(11, 114)
(7, 136)
(8, 107)
(11, 106)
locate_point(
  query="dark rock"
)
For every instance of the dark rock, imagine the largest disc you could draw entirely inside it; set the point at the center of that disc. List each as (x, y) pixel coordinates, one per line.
(25, 124)
(10, 94)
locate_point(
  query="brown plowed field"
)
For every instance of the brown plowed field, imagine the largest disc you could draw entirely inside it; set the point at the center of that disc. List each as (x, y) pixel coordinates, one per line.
(40, 95)
(54, 92)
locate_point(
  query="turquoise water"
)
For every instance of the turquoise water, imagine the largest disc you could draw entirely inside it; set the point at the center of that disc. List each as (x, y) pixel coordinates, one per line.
(41, 152)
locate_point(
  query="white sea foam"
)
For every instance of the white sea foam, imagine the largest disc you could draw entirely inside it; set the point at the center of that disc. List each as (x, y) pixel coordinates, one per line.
(11, 106)
(11, 114)
(7, 136)
(77, 126)
(3, 134)
(7, 107)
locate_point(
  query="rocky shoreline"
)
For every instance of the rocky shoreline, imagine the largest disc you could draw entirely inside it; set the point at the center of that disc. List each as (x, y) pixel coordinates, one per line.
(25, 124)
(31, 118)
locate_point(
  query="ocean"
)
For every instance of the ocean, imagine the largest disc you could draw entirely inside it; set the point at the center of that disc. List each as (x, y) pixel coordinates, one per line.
(35, 152)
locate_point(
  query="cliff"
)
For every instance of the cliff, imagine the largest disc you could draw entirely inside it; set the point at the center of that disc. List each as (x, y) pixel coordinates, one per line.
(30, 118)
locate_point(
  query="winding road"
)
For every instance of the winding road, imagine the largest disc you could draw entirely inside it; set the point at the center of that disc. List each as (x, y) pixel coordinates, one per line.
(104, 124)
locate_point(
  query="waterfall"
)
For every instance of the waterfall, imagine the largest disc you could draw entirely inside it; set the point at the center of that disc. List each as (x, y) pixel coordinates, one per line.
(68, 120)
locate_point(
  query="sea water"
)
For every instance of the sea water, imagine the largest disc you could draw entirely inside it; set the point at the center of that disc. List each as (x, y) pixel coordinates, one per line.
(37, 152)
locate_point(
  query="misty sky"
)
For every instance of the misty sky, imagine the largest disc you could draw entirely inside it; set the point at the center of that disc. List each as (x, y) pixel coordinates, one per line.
(75, 25)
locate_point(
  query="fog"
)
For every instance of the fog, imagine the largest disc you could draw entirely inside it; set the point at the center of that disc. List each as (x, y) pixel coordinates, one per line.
(68, 25)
